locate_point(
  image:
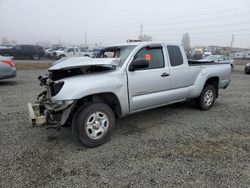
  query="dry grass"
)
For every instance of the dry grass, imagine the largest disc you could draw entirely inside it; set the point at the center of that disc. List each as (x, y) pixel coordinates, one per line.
(241, 61)
(219, 148)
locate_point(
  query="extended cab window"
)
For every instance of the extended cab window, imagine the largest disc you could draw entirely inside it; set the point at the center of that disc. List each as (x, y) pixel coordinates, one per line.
(175, 55)
(153, 55)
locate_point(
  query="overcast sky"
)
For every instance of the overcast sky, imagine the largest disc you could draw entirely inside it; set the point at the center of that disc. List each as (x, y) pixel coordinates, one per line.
(210, 22)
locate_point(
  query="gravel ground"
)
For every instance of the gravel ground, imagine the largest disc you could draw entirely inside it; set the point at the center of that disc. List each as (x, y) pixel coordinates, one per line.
(173, 146)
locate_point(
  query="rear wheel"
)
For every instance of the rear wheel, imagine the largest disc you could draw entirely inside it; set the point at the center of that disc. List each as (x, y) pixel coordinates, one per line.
(93, 124)
(207, 98)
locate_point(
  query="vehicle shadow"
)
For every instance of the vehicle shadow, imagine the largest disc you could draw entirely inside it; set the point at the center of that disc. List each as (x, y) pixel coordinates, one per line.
(130, 125)
(8, 83)
(140, 122)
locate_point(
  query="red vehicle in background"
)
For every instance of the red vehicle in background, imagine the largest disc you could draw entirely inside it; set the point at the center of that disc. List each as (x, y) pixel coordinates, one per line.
(7, 68)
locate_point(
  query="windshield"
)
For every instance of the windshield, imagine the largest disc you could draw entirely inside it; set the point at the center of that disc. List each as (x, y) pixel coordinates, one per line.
(121, 52)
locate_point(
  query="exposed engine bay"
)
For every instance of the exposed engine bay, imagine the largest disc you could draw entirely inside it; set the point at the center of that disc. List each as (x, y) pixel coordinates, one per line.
(57, 112)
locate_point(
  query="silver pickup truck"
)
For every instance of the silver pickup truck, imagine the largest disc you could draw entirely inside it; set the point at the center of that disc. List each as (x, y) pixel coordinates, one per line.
(89, 93)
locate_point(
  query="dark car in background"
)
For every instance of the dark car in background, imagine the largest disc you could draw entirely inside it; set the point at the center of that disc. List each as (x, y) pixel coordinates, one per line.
(247, 68)
(34, 52)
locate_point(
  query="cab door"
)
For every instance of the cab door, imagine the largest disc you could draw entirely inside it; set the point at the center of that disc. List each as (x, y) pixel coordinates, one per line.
(180, 73)
(148, 86)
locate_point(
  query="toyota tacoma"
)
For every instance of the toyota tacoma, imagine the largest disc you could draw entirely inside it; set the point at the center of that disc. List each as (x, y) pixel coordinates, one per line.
(89, 93)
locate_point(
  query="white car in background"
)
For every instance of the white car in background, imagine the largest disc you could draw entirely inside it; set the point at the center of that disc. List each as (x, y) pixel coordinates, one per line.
(72, 52)
(50, 52)
(219, 59)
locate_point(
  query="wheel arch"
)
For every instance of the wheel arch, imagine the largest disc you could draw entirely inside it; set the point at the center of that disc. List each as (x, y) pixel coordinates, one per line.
(108, 98)
(213, 81)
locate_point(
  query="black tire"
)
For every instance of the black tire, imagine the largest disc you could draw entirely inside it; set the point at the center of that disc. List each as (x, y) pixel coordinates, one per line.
(84, 114)
(202, 102)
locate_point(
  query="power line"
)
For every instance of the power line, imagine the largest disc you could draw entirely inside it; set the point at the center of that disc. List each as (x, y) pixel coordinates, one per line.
(206, 26)
(175, 30)
(194, 20)
(203, 14)
(135, 24)
(214, 27)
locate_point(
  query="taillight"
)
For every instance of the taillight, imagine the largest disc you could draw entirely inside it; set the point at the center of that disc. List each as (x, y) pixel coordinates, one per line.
(8, 62)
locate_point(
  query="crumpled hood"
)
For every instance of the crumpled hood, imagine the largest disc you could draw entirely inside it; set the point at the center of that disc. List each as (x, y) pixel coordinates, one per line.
(74, 62)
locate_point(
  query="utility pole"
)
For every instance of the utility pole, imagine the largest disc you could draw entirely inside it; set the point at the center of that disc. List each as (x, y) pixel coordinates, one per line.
(141, 30)
(86, 39)
(59, 40)
(232, 41)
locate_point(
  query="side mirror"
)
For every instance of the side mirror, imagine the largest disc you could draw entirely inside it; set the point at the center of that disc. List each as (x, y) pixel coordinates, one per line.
(140, 63)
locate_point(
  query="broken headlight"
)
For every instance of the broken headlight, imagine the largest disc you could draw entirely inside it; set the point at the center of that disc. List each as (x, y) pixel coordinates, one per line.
(55, 87)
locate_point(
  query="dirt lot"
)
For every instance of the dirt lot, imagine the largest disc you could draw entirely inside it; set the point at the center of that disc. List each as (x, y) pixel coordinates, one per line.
(174, 146)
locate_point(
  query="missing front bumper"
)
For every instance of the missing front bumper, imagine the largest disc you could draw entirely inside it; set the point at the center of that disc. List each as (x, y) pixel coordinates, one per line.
(49, 115)
(36, 118)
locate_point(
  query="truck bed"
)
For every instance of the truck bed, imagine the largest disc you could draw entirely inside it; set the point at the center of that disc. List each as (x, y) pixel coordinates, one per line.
(198, 63)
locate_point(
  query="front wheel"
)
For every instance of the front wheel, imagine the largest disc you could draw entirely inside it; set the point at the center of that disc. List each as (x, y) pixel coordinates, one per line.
(94, 123)
(207, 98)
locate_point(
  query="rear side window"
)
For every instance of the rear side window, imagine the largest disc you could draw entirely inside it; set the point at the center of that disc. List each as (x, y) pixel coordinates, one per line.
(153, 55)
(175, 55)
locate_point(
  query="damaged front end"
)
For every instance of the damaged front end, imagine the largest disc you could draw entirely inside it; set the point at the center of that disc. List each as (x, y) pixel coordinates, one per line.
(48, 109)
(44, 111)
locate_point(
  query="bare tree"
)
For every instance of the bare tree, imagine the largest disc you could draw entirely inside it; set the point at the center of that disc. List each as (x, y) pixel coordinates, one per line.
(5, 41)
(13, 42)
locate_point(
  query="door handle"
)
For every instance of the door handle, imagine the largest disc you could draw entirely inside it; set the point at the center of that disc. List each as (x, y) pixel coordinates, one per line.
(164, 74)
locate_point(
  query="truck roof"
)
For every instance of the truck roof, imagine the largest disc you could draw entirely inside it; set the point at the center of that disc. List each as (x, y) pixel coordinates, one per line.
(141, 43)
